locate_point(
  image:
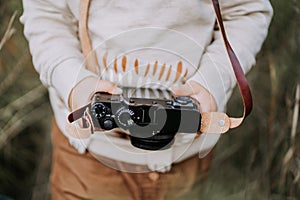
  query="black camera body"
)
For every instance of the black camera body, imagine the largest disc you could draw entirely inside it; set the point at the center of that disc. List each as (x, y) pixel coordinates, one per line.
(152, 116)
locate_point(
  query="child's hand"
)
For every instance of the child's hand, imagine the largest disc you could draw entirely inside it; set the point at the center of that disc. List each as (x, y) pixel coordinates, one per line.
(82, 93)
(80, 96)
(205, 99)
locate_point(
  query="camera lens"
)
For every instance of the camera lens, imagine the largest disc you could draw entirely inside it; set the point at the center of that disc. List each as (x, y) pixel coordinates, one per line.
(153, 143)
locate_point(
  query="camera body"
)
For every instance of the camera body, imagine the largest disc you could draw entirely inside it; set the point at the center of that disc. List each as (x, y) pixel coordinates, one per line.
(152, 116)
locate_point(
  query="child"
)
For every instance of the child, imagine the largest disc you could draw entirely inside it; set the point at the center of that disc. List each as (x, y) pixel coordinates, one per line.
(171, 44)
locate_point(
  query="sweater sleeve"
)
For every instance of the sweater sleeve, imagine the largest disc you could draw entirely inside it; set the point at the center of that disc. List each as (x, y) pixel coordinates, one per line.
(51, 30)
(246, 23)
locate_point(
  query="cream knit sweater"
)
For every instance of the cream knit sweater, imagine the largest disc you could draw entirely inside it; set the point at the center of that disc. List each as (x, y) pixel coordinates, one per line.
(157, 43)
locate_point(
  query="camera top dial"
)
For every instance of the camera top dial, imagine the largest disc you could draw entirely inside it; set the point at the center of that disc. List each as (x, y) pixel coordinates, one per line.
(124, 117)
(99, 110)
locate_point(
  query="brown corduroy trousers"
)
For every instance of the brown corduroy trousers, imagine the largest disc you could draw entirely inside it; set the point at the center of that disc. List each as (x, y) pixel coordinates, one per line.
(81, 176)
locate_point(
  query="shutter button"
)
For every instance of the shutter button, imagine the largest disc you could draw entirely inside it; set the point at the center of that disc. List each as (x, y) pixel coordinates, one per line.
(183, 100)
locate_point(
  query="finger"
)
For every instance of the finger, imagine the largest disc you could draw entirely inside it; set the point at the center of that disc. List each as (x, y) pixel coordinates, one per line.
(206, 102)
(183, 90)
(187, 89)
(82, 93)
(107, 86)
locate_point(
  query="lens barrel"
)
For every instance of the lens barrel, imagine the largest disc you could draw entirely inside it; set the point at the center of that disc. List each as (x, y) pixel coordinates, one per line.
(153, 143)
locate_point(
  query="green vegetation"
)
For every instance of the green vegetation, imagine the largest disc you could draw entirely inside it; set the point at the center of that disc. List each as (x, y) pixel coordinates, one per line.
(24, 108)
(260, 160)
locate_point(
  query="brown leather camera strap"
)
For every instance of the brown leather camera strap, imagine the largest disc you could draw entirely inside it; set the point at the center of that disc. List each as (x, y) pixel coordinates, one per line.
(213, 122)
(86, 44)
(238, 72)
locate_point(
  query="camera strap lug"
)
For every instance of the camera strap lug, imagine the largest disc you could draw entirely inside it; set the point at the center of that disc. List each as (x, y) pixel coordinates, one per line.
(83, 130)
(214, 122)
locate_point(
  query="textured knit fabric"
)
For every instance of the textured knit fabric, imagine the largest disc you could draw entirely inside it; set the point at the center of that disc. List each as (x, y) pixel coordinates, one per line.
(143, 43)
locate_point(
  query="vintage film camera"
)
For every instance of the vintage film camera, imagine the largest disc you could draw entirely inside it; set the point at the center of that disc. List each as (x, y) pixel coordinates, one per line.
(151, 116)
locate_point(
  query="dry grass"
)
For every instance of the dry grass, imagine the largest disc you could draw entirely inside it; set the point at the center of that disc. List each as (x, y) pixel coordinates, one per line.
(23, 108)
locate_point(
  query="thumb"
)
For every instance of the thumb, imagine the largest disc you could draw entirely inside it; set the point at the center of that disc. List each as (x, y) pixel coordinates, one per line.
(107, 86)
(86, 88)
(183, 90)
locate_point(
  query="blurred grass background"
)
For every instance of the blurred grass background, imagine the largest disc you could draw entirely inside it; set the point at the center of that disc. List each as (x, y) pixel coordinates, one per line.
(260, 160)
